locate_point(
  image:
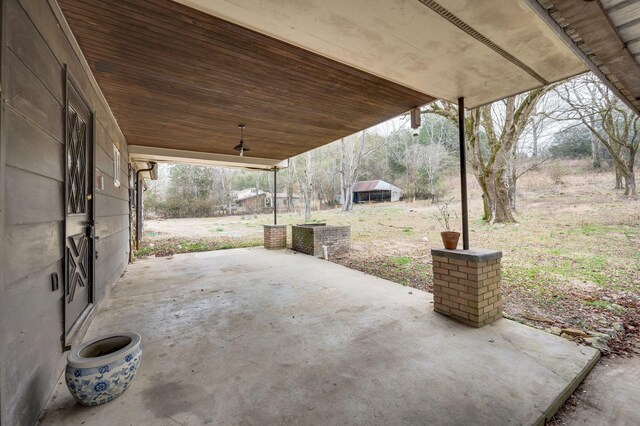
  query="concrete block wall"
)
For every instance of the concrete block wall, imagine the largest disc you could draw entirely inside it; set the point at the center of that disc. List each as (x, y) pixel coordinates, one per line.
(275, 237)
(466, 285)
(310, 238)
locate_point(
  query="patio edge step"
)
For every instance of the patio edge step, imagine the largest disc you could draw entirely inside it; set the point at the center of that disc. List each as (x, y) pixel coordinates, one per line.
(568, 391)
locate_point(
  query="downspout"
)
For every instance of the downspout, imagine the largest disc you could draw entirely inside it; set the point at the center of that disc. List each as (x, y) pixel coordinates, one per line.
(139, 202)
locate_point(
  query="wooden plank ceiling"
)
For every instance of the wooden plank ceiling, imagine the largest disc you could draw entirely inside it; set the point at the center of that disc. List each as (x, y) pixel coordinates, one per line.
(480, 50)
(179, 78)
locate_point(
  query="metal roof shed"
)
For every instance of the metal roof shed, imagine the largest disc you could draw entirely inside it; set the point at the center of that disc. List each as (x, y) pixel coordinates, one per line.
(375, 190)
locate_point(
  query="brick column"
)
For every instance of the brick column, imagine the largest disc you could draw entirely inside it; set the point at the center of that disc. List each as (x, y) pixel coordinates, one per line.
(275, 237)
(466, 285)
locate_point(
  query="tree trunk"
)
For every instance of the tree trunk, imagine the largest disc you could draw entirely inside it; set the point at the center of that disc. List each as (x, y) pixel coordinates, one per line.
(307, 207)
(346, 178)
(629, 178)
(630, 185)
(257, 192)
(496, 196)
(308, 188)
(289, 189)
(350, 158)
(305, 180)
(618, 178)
(485, 201)
(346, 194)
(512, 177)
(512, 194)
(596, 151)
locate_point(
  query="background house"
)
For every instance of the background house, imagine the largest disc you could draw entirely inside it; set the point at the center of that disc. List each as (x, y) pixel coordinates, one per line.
(252, 201)
(375, 190)
(288, 204)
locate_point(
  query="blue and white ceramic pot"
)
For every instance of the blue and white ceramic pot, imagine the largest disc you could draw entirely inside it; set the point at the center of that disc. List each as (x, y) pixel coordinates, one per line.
(101, 369)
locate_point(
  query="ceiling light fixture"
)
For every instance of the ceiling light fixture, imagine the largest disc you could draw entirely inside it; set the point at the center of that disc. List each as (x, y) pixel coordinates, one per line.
(240, 147)
(415, 121)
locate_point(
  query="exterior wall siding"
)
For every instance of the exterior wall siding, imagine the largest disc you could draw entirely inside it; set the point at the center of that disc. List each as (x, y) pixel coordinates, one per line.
(35, 50)
(3, 263)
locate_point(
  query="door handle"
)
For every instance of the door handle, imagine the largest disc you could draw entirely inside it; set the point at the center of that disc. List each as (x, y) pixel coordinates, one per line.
(90, 228)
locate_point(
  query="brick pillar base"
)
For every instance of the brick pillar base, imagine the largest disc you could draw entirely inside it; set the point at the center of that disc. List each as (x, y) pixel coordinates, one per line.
(466, 285)
(275, 237)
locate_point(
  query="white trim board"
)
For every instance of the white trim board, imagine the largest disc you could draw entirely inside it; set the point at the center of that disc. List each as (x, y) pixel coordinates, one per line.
(167, 155)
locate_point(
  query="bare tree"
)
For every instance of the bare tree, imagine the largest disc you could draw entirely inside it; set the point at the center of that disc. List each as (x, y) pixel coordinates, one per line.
(436, 160)
(302, 169)
(596, 148)
(222, 187)
(326, 182)
(614, 125)
(436, 129)
(530, 150)
(412, 156)
(289, 186)
(352, 153)
(491, 135)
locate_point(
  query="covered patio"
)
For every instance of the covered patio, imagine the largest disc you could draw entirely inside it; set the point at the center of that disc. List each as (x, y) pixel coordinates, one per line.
(251, 336)
(96, 93)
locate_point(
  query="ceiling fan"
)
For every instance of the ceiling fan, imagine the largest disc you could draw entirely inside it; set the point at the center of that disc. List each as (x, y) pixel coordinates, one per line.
(240, 147)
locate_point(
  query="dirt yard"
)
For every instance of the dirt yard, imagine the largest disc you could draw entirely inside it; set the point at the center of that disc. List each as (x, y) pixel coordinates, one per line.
(571, 262)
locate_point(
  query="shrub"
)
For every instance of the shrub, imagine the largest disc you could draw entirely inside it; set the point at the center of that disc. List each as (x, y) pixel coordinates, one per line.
(557, 172)
(574, 142)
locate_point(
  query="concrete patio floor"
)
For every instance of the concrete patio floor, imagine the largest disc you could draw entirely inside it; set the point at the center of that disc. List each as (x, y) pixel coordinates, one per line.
(610, 396)
(254, 337)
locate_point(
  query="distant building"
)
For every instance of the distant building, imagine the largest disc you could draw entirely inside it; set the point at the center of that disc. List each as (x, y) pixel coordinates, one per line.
(252, 201)
(375, 190)
(283, 201)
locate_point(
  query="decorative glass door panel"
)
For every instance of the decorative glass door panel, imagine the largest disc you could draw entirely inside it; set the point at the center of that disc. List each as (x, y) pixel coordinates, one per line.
(78, 224)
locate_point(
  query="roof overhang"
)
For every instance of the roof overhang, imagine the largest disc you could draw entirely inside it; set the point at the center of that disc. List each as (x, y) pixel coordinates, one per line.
(606, 35)
(300, 74)
(480, 50)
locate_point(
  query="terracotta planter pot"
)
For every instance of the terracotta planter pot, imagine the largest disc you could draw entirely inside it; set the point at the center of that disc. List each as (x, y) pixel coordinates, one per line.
(450, 239)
